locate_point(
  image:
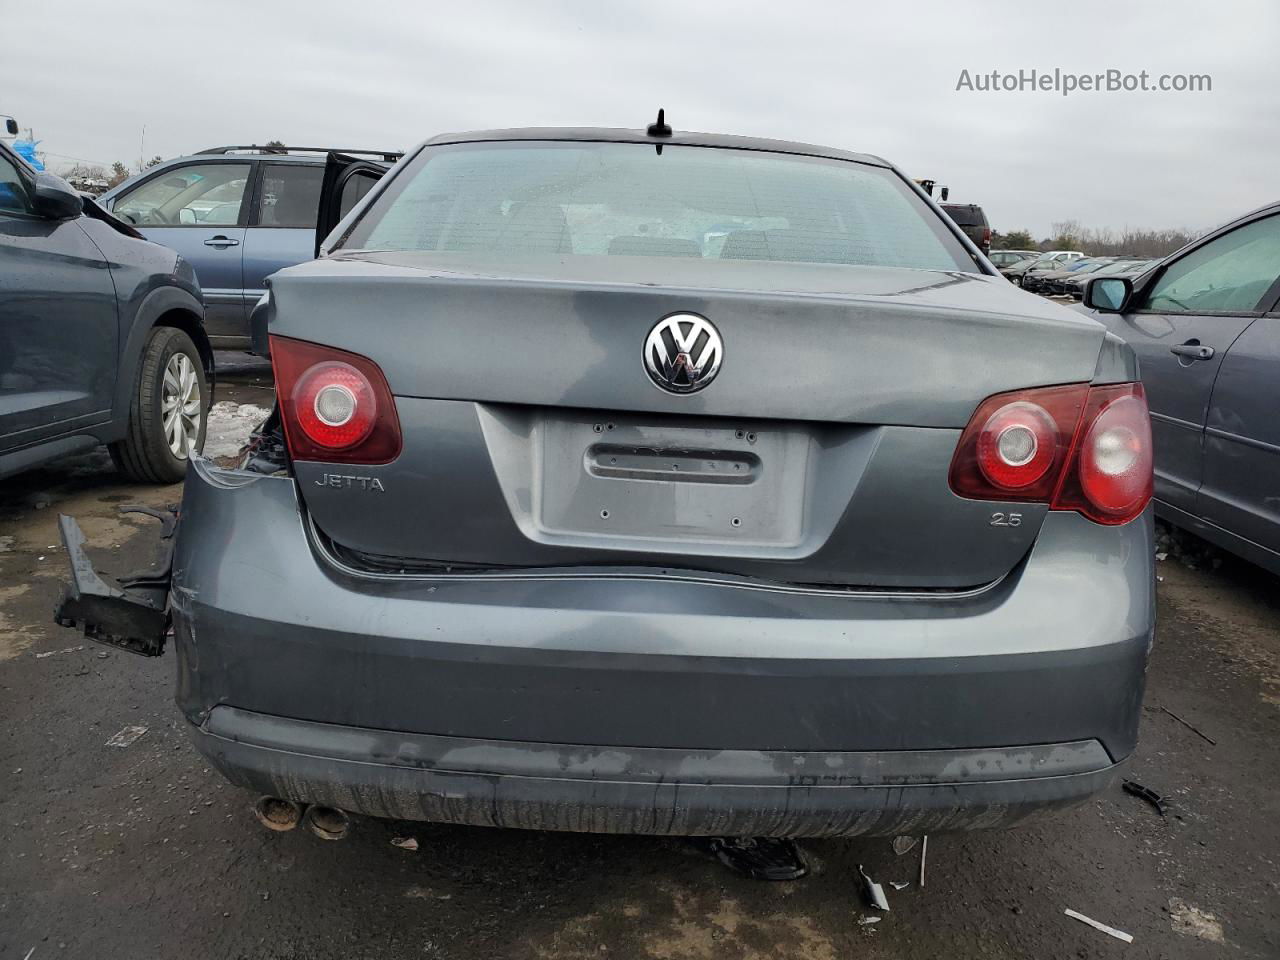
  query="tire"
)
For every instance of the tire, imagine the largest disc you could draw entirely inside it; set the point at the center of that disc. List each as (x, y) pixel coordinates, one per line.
(145, 453)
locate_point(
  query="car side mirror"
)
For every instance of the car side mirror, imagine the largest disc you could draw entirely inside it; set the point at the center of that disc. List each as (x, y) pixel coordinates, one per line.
(186, 216)
(1108, 294)
(11, 126)
(54, 199)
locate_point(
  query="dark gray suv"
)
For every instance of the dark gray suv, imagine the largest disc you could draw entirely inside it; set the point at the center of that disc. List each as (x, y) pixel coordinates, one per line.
(101, 335)
(646, 482)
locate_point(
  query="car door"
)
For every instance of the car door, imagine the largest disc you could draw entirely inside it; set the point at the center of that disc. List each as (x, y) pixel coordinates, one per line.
(199, 208)
(1241, 487)
(1182, 326)
(346, 181)
(282, 224)
(58, 322)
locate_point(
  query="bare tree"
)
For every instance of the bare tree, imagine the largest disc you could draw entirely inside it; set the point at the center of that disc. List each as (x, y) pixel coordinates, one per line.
(1065, 234)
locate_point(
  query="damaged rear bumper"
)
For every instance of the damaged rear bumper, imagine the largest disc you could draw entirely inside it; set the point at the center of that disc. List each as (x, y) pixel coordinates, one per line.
(545, 786)
(652, 704)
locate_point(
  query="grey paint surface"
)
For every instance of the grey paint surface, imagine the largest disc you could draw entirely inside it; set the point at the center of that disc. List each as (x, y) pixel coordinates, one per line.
(621, 658)
(1240, 489)
(57, 323)
(857, 344)
(847, 348)
(580, 630)
(77, 300)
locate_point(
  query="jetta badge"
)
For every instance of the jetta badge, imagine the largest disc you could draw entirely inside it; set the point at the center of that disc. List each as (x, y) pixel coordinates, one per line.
(682, 353)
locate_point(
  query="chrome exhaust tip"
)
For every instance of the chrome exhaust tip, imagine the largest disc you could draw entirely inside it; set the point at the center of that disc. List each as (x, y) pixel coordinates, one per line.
(276, 813)
(327, 823)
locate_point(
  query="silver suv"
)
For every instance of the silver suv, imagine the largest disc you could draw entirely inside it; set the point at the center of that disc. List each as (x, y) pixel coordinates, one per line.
(644, 482)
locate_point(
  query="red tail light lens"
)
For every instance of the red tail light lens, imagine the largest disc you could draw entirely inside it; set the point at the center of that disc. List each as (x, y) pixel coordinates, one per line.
(1074, 447)
(1110, 476)
(336, 406)
(1017, 443)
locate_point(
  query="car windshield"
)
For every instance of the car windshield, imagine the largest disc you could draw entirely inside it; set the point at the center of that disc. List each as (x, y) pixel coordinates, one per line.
(591, 199)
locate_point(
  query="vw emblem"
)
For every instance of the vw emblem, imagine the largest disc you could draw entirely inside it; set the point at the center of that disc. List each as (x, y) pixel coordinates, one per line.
(682, 353)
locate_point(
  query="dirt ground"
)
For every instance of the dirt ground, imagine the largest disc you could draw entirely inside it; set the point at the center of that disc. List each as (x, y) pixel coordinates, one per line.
(142, 852)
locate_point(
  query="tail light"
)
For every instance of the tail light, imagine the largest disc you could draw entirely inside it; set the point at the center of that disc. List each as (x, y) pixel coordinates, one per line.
(1110, 478)
(986, 237)
(336, 406)
(1075, 447)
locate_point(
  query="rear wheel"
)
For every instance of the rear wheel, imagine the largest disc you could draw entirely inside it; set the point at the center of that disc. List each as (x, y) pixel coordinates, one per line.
(168, 411)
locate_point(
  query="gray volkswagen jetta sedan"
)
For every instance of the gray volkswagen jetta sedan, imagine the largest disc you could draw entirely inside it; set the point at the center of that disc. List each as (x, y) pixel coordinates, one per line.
(651, 482)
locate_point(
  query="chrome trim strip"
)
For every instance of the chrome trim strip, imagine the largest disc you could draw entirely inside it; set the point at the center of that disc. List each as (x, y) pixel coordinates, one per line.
(847, 593)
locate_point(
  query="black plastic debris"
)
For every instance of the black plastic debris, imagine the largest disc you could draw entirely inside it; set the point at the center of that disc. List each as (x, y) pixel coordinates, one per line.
(1147, 794)
(761, 858)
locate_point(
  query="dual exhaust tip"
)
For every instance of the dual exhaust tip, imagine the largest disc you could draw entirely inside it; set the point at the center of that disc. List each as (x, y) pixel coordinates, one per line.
(276, 813)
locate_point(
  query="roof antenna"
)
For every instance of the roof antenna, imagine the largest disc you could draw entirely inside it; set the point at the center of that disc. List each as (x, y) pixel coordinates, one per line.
(661, 128)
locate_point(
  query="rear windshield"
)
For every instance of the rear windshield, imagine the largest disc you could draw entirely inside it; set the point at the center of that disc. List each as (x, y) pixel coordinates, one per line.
(966, 214)
(620, 199)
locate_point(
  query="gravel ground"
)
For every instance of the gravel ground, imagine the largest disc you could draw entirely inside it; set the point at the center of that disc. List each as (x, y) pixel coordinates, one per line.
(141, 852)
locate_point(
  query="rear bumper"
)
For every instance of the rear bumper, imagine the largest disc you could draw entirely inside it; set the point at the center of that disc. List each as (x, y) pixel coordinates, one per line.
(544, 786)
(684, 705)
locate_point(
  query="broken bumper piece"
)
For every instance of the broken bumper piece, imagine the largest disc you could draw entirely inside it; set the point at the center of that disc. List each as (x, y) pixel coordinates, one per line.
(133, 616)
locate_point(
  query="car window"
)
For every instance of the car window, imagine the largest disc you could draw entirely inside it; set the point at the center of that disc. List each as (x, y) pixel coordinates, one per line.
(204, 194)
(290, 195)
(966, 215)
(13, 191)
(622, 199)
(1226, 275)
(353, 191)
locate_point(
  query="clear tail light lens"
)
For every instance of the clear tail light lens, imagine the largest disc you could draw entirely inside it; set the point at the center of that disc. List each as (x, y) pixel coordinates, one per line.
(1016, 445)
(1075, 447)
(336, 406)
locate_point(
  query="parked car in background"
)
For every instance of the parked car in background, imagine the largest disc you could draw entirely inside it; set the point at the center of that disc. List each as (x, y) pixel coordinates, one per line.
(621, 536)
(1206, 326)
(1073, 285)
(101, 335)
(237, 215)
(970, 218)
(1013, 272)
(1034, 280)
(1007, 258)
(1053, 284)
(1047, 283)
(1052, 260)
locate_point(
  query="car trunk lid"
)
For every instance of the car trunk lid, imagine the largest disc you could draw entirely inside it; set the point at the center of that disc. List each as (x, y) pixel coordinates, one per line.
(533, 436)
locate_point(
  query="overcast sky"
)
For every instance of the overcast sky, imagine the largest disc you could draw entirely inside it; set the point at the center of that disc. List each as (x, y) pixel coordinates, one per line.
(879, 78)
